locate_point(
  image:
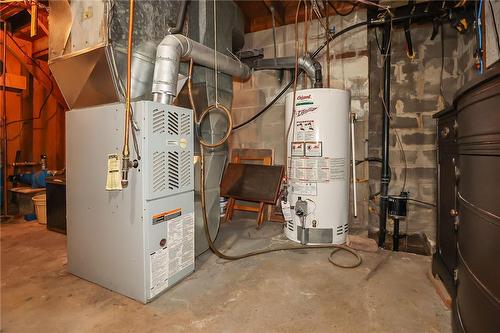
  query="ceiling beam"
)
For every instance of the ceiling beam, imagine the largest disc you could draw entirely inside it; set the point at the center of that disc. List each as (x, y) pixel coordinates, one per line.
(39, 70)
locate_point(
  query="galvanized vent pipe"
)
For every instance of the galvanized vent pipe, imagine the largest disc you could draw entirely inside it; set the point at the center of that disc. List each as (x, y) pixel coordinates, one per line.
(175, 48)
(310, 66)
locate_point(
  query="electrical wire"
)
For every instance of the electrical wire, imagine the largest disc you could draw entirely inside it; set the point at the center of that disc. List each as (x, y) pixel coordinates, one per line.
(221, 255)
(422, 202)
(480, 35)
(300, 72)
(292, 118)
(210, 242)
(327, 34)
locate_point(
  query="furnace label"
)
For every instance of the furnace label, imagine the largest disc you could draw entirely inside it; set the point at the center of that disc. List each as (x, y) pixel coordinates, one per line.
(113, 178)
(180, 241)
(159, 271)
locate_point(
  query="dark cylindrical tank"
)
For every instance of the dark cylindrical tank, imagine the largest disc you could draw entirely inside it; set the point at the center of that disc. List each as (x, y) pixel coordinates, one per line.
(477, 304)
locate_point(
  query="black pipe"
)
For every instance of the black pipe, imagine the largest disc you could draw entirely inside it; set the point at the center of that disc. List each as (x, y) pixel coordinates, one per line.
(285, 88)
(180, 18)
(385, 176)
(395, 235)
(318, 74)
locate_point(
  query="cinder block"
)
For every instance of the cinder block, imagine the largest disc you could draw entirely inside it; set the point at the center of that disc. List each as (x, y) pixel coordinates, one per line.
(418, 138)
(248, 98)
(404, 122)
(266, 79)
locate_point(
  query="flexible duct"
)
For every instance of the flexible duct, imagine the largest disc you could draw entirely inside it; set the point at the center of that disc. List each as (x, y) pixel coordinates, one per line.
(175, 48)
(310, 66)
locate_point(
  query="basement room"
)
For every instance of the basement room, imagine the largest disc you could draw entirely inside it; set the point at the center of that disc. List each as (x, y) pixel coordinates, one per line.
(250, 166)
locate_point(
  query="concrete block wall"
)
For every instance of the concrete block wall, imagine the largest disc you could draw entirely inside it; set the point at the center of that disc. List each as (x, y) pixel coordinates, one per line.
(348, 70)
(416, 90)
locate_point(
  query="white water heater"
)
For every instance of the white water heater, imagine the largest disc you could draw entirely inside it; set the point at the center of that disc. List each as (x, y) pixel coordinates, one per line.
(318, 159)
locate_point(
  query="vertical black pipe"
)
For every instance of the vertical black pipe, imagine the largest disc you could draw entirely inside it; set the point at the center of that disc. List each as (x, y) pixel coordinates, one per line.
(395, 235)
(385, 177)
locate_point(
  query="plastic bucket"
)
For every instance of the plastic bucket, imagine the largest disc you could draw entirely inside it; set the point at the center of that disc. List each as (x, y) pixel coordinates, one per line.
(40, 208)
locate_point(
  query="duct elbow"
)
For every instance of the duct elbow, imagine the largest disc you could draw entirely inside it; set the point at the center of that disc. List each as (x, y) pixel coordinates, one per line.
(312, 69)
(175, 48)
(165, 75)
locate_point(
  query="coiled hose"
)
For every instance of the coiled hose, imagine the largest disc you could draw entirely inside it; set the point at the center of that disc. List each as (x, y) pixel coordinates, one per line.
(203, 146)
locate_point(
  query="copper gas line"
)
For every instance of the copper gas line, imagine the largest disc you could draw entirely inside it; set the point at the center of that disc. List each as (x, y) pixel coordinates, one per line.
(126, 151)
(4, 120)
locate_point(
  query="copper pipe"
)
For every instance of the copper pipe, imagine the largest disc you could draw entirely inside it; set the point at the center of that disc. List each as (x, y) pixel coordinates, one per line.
(4, 121)
(190, 89)
(25, 164)
(327, 34)
(126, 150)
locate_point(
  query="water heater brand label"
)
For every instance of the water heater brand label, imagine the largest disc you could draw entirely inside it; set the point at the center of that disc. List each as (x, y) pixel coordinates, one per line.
(301, 112)
(304, 100)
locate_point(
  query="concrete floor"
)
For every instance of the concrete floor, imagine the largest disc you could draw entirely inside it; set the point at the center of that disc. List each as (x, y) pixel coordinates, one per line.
(295, 291)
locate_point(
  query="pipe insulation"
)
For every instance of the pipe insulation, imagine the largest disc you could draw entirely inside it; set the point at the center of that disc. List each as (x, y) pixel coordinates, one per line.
(173, 49)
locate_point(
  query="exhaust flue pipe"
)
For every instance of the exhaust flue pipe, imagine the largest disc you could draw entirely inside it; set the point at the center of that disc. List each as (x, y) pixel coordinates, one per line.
(310, 66)
(175, 48)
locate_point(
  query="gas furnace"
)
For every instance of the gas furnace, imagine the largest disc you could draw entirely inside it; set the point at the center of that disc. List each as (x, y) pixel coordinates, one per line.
(139, 241)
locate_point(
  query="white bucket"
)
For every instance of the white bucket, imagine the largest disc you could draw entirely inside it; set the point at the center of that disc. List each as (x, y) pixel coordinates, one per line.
(223, 204)
(40, 208)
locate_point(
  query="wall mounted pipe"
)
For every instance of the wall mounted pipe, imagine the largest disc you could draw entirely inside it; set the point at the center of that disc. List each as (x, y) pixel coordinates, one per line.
(175, 48)
(180, 18)
(310, 66)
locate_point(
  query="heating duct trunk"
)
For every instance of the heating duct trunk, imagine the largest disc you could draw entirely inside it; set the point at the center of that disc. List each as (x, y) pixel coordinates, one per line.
(87, 56)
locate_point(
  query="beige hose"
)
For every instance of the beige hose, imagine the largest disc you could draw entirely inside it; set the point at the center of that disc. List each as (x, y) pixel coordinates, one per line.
(210, 242)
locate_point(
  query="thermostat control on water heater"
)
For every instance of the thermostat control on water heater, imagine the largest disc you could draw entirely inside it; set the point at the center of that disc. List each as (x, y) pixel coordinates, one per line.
(317, 201)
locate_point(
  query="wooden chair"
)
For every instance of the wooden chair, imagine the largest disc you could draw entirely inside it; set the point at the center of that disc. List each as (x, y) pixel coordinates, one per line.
(252, 156)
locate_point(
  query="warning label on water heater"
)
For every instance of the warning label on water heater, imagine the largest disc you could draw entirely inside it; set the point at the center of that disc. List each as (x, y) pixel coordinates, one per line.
(314, 149)
(298, 149)
(305, 130)
(316, 169)
(305, 188)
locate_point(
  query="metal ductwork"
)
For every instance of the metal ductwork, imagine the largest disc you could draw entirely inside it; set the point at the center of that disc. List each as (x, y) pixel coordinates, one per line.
(311, 67)
(175, 48)
(88, 47)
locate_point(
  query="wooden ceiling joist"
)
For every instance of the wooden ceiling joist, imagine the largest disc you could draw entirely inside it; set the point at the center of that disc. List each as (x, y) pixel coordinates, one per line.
(258, 13)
